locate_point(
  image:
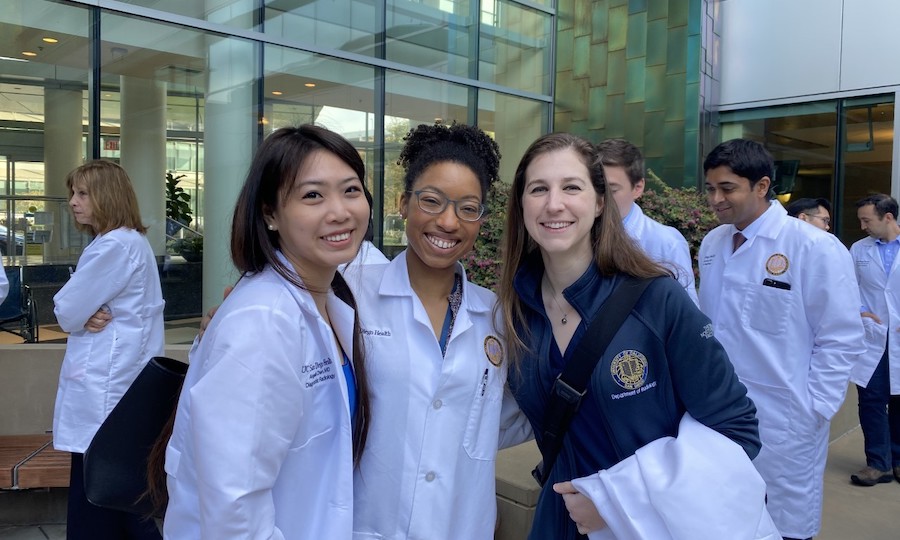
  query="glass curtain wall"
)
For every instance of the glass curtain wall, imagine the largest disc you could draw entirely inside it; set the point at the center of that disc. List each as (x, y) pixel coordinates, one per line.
(180, 92)
(840, 150)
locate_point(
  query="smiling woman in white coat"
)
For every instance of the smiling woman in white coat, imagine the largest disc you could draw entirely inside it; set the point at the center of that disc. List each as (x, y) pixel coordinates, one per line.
(439, 409)
(274, 408)
(116, 273)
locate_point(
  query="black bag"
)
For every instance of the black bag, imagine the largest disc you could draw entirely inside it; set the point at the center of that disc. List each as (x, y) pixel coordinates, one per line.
(115, 463)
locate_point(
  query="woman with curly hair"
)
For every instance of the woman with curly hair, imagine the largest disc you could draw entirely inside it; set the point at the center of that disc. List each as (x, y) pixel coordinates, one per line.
(436, 362)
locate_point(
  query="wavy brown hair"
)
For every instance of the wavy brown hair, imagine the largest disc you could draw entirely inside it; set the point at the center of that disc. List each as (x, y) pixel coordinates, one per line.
(614, 251)
(113, 202)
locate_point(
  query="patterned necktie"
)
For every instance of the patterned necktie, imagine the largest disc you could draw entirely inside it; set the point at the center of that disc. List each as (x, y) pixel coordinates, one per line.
(737, 240)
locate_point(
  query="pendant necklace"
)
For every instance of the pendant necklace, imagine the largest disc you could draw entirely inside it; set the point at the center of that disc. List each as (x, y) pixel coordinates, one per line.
(565, 317)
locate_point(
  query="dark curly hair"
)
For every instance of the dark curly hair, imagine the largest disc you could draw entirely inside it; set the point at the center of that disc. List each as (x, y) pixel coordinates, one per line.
(459, 143)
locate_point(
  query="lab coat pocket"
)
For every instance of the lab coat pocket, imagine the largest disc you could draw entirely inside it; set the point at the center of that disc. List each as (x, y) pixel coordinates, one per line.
(483, 427)
(771, 402)
(767, 309)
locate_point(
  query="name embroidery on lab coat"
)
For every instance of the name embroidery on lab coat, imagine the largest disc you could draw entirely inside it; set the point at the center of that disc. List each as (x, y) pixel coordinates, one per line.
(629, 369)
(318, 372)
(380, 333)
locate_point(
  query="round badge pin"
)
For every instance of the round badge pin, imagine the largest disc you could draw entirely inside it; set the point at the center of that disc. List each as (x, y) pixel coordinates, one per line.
(493, 350)
(777, 264)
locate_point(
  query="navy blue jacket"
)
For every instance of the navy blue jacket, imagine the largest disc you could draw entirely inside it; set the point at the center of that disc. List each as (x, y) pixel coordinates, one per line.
(663, 362)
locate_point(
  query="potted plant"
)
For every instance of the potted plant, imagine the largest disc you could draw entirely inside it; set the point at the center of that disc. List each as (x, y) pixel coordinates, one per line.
(190, 248)
(178, 207)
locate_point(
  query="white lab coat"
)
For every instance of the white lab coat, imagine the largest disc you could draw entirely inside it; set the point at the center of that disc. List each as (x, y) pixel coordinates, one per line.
(792, 349)
(696, 486)
(262, 444)
(664, 245)
(117, 270)
(428, 468)
(4, 283)
(880, 293)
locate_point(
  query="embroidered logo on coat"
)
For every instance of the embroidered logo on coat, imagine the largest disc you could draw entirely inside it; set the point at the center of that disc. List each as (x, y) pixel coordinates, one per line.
(493, 350)
(629, 369)
(707, 331)
(777, 264)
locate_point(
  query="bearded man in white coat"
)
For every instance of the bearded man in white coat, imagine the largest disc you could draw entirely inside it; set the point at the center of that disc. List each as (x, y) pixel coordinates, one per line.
(623, 167)
(778, 296)
(877, 373)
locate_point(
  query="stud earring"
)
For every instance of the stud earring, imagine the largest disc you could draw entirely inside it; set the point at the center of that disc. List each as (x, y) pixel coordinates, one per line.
(271, 227)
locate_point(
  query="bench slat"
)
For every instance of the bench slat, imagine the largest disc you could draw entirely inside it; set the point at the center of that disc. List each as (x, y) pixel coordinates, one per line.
(45, 468)
(14, 449)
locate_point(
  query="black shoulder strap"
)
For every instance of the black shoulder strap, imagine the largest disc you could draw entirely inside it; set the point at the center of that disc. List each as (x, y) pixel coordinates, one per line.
(571, 385)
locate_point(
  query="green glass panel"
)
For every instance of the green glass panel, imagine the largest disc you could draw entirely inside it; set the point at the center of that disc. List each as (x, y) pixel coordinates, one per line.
(614, 3)
(691, 158)
(615, 116)
(695, 16)
(581, 56)
(634, 83)
(657, 9)
(581, 12)
(597, 108)
(616, 72)
(676, 50)
(600, 22)
(599, 64)
(637, 6)
(675, 87)
(657, 41)
(634, 123)
(692, 61)
(654, 138)
(637, 35)
(655, 88)
(678, 12)
(618, 28)
(564, 43)
(674, 158)
(692, 105)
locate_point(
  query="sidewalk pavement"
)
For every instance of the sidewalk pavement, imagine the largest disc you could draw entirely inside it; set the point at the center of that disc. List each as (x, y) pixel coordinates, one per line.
(850, 512)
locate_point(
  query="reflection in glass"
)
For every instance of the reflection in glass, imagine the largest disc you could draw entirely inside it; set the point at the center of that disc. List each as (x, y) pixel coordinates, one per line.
(515, 48)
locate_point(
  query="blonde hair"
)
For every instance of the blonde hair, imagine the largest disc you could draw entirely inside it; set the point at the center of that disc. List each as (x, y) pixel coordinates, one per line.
(113, 202)
(614, 252)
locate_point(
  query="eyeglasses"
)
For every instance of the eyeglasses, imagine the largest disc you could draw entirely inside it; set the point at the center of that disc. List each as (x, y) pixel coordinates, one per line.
(434, 203)
(825, 220)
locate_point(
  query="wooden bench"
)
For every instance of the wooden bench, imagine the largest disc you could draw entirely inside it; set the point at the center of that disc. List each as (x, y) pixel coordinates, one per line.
(29, 461)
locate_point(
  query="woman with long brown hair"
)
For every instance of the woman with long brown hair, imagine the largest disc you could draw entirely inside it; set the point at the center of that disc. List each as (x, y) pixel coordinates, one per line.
(566, 253)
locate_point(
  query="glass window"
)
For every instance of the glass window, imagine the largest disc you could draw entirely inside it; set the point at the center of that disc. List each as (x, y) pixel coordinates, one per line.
(837, 150)
(433, 35)
(515, 48)
(410, 101)
(349, 25)
(236, 13)
(514, 123)
(44, 55)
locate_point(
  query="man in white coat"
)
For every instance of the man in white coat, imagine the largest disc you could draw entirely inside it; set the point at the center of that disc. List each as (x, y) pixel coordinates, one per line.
(623, 166)
(877, 372)
(4, 283)
(778, 296)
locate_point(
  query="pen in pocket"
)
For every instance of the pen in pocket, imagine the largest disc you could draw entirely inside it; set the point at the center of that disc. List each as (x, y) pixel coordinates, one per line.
(484, 380)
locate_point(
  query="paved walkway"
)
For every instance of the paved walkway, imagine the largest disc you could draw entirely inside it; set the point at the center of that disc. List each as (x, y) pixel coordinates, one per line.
(851, 512)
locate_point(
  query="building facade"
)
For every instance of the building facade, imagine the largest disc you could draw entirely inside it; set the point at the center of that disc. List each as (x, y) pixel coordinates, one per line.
(188, 88)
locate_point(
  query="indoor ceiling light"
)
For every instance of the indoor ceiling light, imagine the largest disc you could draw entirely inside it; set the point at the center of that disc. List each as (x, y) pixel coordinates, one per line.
(310, 85)
(50, 40)
(276, 92)
(29, 53)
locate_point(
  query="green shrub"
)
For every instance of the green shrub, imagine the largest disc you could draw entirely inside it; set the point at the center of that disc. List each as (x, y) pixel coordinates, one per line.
(483, 263)
(686, 209)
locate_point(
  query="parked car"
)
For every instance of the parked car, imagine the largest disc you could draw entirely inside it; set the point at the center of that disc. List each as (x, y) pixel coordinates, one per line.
(5, 241)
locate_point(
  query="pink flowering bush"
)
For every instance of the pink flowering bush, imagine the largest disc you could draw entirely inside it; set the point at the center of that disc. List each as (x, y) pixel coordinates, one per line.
(483, 263)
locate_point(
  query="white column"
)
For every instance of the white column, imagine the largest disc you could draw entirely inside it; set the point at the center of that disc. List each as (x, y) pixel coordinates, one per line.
(143, 147)
(229, 143)
(63, 151)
